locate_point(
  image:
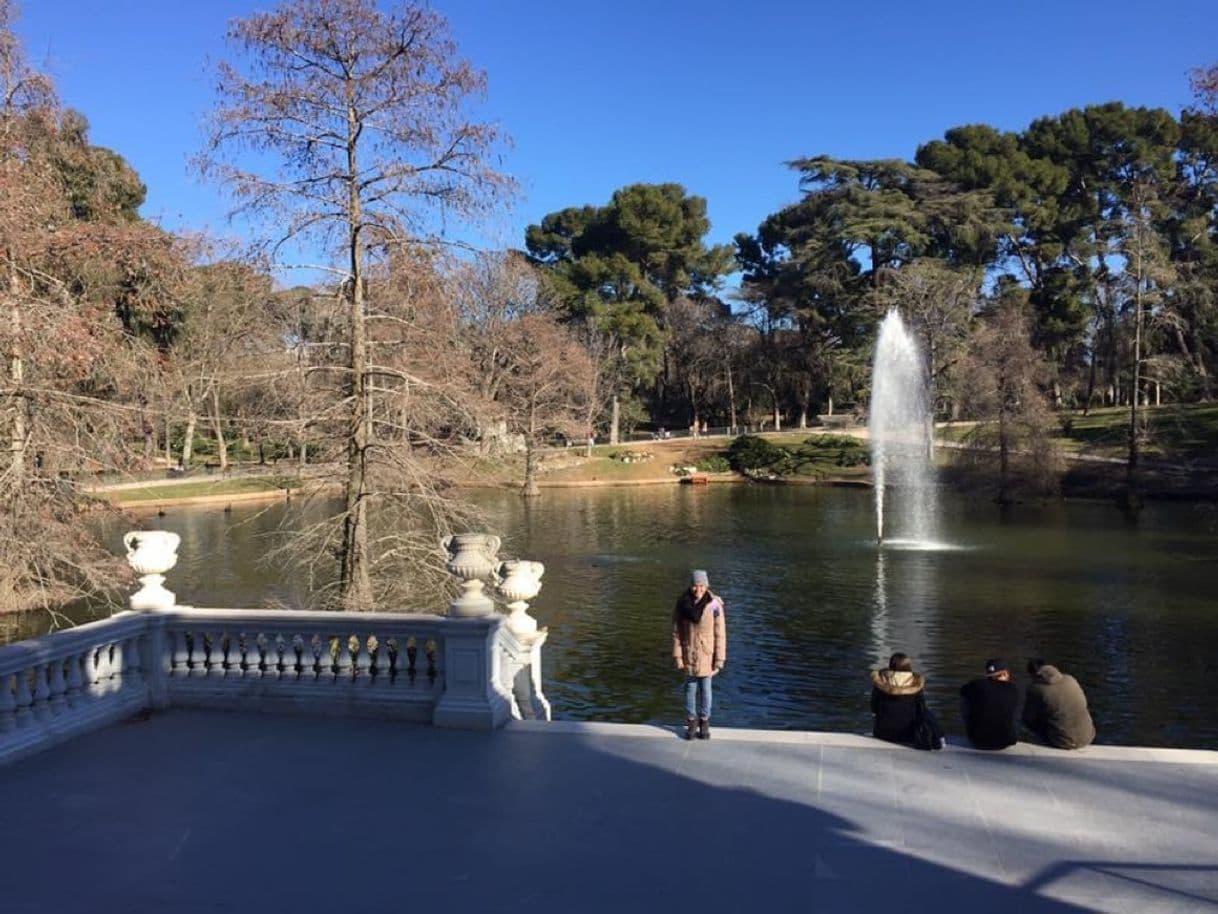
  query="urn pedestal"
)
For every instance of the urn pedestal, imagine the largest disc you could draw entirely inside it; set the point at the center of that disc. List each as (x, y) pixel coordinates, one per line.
(471, 557)
(152, 553)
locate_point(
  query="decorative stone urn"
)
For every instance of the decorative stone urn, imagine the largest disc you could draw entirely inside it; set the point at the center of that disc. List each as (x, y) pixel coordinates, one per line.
(471, 557)
(520, 581)
(152, 553)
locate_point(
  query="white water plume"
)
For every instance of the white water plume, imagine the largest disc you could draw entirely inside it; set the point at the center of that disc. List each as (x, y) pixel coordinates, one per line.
(900, 430)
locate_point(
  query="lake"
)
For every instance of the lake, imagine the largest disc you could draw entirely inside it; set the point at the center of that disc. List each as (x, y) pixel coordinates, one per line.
(812, 604)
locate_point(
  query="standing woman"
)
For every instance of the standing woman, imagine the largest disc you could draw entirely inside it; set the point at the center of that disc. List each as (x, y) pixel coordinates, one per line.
(699, 649)
(896, 693)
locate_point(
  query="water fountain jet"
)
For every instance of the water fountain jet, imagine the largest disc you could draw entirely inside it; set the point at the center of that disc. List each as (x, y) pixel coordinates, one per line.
(900, 430)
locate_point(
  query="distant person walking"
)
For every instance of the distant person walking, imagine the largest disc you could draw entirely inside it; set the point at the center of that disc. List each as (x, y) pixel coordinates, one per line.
(896, 693)
(990, 707)
(699, 649)
(1055, 708)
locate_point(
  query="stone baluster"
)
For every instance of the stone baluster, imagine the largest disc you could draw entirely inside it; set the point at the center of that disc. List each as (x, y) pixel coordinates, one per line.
(287, 658)
(295, 646)
(8, 703)
(384, 663)
(100, 679)
(76, 681)
(42, 692)
(202, 654)
(223, 658)
(363, 662)
(58, 686)
(342, 663)
(410, 650)
(317, 657)
(115, 677)
(252, 667)
(88, 677)
(133, 673)
(180, 642)
(24, 698)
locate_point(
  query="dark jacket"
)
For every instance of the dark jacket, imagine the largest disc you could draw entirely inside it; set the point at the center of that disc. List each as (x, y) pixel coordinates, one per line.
(894, 702)
(990, 709)
(1056, 710)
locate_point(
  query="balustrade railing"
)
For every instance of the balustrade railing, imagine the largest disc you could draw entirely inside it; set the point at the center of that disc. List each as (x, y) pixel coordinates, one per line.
(62, 685)
(380, 664)
(474, 669)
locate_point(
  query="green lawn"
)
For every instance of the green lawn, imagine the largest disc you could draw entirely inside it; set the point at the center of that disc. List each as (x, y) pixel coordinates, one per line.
(1177, 432)
(205, 487)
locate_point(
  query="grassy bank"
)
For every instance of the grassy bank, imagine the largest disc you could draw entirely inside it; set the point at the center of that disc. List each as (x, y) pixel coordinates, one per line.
(263, 485)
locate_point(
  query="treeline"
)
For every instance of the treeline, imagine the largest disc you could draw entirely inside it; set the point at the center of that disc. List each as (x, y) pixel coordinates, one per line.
(1070, 263)
(1096, 228)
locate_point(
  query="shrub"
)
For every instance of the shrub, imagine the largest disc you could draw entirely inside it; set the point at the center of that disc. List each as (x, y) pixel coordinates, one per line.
(749, 452)
(716, 463)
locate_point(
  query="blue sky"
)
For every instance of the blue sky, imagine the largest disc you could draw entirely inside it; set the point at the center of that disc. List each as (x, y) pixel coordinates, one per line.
(714, 95)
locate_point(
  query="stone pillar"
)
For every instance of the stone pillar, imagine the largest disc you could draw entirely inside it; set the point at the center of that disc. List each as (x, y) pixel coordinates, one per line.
(152, 553)
(154, 657)
(471, 668)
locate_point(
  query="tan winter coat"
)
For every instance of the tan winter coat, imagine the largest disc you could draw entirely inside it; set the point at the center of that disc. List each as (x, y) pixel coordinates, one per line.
(701, 648)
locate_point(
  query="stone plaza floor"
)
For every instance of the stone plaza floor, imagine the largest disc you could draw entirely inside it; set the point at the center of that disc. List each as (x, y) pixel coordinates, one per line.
(194, 811)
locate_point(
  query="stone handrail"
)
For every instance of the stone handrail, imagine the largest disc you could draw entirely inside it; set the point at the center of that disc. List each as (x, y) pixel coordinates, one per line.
(448, 672)
(68, 683)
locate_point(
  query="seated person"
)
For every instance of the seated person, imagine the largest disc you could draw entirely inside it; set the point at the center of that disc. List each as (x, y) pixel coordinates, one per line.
(895, 693)
(1055, 708)
(990, 706)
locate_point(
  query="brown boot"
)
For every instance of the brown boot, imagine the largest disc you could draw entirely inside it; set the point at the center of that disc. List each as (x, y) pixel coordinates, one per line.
(703, 728)
(691, 726)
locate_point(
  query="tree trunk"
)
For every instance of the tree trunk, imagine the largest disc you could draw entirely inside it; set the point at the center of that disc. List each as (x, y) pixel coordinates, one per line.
(731, 399)
(188, 440)
(1135, 433)
(217, 428)
(16, 375)
(355, 583)
(530, 489)
(615, 418)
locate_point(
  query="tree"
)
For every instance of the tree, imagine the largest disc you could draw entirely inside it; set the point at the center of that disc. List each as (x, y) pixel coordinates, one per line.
(220, 340)
(544, 386)
(365, 114)
(938, 302)
(78, 265)
(620, 266)
(1004, 375)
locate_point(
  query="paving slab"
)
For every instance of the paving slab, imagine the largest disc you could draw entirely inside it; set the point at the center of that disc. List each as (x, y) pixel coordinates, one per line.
(198, 811)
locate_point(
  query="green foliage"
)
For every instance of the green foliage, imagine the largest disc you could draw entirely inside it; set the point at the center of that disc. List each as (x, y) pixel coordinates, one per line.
(716, 463)
(750, 452)
(619, 266)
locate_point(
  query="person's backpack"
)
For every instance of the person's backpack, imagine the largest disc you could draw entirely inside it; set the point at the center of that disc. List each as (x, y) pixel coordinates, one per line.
(927, 733)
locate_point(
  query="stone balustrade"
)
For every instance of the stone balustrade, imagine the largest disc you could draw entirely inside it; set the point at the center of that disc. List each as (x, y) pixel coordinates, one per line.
(473, 670)
(71, 682)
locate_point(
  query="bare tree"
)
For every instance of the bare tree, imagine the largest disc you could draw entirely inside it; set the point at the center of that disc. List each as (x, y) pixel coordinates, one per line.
(364, 113)
(548, 374)
(1004, 375)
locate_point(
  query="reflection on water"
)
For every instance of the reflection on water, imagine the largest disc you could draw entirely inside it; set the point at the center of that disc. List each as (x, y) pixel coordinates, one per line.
(813, 605)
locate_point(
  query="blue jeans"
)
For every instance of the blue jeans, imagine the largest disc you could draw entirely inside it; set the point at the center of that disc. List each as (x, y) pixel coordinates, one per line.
(698, 696)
